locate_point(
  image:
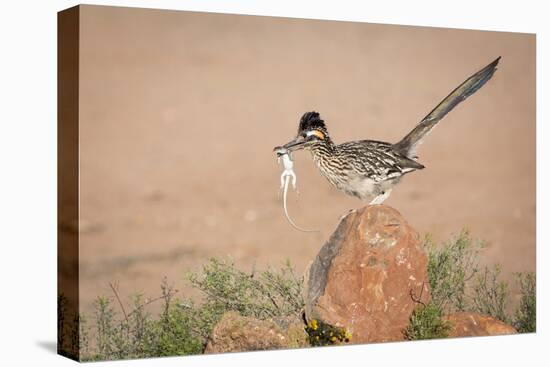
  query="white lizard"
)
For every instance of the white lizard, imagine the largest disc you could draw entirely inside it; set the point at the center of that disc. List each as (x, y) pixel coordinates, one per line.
(283, 155)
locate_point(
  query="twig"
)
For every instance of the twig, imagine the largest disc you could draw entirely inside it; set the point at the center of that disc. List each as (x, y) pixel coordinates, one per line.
(273, 301)
(119, 301)
(414, 298)
(151, 301)
(253, 270)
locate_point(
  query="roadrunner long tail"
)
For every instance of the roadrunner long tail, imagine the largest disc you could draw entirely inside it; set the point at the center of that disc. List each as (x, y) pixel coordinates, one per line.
(407, 146)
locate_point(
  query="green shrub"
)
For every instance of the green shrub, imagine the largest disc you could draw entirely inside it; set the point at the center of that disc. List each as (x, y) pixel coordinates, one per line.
(268, 295)
(183, 327)
(69, 338)
(61, 317)
(459, 283)
(136, 334)
(105, 329)
(490, 295)
(450, 267)
(525, 316)
(426, 322)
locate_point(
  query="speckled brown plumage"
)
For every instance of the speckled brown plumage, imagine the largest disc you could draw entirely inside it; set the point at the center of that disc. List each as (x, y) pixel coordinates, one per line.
(369, 169)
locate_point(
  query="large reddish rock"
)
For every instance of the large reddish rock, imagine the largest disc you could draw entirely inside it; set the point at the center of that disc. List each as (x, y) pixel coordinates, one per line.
(474, 324)
(366, 276)
(236, 333)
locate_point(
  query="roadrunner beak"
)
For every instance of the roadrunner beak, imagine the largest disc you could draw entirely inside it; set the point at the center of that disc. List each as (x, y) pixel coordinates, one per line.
(295, 144)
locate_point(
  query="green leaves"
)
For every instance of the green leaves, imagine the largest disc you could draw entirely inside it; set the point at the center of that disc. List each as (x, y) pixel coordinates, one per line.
(525, 320)
(490, 295)
(450, 267)
(266, 295)
(459, 283)
(183, 327)
(426, 322)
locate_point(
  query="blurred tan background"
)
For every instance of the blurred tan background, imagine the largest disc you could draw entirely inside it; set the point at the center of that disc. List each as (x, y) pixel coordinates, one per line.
(179, 113)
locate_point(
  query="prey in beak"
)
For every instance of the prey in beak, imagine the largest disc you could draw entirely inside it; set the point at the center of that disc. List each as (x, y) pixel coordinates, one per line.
(295, 144)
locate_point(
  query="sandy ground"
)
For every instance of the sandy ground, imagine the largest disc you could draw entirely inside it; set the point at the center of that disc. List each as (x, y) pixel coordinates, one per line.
(180, 112)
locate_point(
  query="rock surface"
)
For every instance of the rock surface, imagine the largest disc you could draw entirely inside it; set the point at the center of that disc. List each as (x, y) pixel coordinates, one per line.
(294, 328)
(364, 276)
(236, 333)
(474, 324)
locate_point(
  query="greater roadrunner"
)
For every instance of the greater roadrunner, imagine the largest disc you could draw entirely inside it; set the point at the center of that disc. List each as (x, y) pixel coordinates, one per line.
(369, 169)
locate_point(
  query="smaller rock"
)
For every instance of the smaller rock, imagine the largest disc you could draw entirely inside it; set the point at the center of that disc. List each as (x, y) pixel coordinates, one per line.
(474, 324)
(297, 336)
(295, 329)
(236, 333)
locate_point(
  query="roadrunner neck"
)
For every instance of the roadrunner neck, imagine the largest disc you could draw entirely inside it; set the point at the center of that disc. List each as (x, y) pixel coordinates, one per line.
(323, 148)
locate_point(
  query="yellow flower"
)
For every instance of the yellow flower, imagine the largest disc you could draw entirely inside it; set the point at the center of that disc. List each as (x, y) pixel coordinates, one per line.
(313, 324)
(347, 335)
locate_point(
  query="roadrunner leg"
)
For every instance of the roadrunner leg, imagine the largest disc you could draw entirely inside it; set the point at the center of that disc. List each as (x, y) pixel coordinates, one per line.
(380, 198)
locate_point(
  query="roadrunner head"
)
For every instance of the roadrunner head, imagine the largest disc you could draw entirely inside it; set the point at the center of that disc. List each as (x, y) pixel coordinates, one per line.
(312, 131)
